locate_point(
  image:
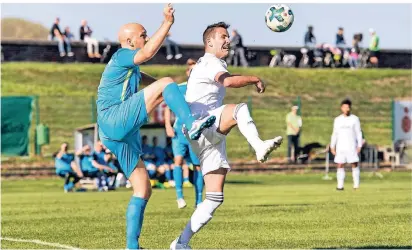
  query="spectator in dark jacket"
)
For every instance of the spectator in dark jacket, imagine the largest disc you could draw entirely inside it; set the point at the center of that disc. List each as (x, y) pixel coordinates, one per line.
(237, 50)
(310, 39)
(340, 40)
(86, 36)
(56, 34)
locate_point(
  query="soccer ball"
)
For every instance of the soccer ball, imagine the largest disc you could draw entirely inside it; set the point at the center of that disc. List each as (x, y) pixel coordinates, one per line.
(279, 17)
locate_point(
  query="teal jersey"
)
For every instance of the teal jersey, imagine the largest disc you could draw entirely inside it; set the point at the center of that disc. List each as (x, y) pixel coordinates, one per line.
(120, 79)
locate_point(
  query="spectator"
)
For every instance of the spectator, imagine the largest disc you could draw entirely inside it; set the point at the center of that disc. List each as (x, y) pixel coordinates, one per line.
(340, 40)
(237, 50)
(91, 168)
(168, 44)
(293, 124)
(374, 48)
(149, 161)
(310, 39)
(86, 36)
(355, 51)
(161, 166)
(55, 33)
(68, 34)
(104, 158)
(67, 168)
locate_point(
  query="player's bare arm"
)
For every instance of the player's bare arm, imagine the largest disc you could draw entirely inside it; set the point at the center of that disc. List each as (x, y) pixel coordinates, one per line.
(155, 42)
(237, 81)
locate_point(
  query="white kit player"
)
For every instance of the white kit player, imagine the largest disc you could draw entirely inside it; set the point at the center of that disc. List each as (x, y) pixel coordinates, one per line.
(346, 143)
(206, 90)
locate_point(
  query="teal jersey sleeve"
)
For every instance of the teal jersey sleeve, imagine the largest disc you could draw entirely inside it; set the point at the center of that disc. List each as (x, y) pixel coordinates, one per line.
(120, 79)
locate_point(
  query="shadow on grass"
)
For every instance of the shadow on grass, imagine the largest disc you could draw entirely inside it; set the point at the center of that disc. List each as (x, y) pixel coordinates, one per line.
(281, 205)
(372, 247)
(245, 182)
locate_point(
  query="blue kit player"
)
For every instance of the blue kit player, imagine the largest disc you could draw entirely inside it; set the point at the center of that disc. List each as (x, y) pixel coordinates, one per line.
(122, 110)
(182, 150)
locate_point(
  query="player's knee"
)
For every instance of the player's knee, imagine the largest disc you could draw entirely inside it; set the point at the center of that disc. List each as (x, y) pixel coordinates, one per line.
(166, 81)
(237, 108)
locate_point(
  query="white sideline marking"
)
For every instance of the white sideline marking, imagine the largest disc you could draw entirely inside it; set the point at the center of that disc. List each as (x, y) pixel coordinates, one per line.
(40, 243)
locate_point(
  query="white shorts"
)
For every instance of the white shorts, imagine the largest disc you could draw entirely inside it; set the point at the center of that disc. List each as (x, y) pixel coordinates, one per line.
(346, 157)
(211, 146)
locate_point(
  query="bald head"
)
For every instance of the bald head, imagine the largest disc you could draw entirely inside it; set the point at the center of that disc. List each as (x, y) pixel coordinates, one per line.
(132, 36)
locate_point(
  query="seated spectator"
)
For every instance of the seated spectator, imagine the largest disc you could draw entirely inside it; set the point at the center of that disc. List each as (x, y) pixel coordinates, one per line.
(91, 168)
(149, 160)
(161, 166)
(104, 158)
(67, 168)
(68, 33)
(169, 151)
(55, 33)
(86, 36)
(168, 44)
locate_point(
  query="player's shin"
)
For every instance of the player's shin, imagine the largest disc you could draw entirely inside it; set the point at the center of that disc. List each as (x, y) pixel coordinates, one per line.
(177, 103)
(134, 221)
(178, 176)
(246, 125)
(340, 176)
(356, 177)
(198, 180)
(202, 215)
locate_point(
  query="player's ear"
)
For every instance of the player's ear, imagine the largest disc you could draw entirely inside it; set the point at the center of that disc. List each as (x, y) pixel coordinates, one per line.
(209, 42)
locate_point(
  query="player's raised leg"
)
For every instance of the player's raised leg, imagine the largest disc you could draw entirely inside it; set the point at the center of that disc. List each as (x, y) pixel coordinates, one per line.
(214, 182)
(238, 114)
(168, 90)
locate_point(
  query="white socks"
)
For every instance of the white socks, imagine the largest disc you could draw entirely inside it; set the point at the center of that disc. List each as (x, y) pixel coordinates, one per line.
(246, 125)
(355, 175)
(341, 177)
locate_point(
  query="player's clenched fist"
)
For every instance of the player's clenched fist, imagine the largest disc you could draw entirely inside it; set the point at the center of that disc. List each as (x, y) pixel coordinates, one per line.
(168, 13)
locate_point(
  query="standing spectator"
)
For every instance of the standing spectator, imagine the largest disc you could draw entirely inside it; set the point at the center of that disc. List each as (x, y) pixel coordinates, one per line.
(55, 33)
(238, 50)
(310, 39)
(294, 124)
(86, 36)
(68, 33)
(340, 40)
(374, 48)
(168, 44)
(355, 51)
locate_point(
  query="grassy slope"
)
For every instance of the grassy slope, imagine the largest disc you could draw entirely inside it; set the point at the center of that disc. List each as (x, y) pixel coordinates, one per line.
(260, 211)
(66, 90)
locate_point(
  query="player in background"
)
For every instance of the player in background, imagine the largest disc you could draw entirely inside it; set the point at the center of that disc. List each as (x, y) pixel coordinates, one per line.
(346, 143)
(206, 89)
(122, 110)
(181, 150)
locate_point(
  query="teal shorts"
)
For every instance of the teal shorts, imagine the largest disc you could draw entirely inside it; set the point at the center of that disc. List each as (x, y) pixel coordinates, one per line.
(119, 130)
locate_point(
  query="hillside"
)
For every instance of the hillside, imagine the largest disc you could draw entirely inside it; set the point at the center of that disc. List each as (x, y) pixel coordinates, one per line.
(17, 28)
(66, 93)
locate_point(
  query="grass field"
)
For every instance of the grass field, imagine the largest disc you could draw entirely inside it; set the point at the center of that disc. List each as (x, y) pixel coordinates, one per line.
(260, 211)
(66, 92)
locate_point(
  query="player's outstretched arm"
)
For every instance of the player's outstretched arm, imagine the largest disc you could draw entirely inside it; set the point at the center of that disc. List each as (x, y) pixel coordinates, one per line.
(156, 41)
(238, 81)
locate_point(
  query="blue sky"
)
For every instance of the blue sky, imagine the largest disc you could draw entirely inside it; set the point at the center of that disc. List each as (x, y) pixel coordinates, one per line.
(393, 22)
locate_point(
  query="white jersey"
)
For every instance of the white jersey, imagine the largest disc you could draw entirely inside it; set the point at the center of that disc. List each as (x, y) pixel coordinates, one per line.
(347, 134)
(203, 92)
